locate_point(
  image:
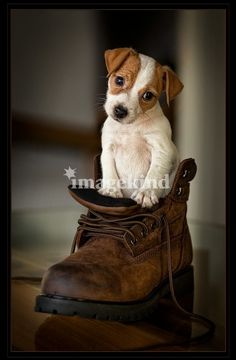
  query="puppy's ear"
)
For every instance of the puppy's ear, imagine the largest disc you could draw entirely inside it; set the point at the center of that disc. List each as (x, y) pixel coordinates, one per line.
(116, 57)
(171, 83)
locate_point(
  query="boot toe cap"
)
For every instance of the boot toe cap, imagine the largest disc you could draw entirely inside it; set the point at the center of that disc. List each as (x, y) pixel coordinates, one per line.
(81, 281)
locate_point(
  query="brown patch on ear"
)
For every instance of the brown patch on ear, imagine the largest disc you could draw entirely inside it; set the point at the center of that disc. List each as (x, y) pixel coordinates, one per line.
(171, 83)
(116, 57)
(128, 70)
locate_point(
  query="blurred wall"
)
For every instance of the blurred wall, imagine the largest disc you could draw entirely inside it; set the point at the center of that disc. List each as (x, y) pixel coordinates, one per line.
(200, 125)
(200, 134)
(53, 67)
(53, 76)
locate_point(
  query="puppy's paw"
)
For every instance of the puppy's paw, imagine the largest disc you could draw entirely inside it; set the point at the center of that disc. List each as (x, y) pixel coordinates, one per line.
(145, 197)
(113, 192)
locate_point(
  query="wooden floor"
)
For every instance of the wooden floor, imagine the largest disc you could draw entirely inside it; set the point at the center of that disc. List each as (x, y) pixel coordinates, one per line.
(31, 331)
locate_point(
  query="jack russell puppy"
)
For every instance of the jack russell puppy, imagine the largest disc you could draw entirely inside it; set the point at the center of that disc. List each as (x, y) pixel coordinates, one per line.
(137, 150)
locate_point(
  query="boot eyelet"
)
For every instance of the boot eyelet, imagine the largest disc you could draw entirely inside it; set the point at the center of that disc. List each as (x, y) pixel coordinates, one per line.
(179, 191)
(185, 173)
(133, 241)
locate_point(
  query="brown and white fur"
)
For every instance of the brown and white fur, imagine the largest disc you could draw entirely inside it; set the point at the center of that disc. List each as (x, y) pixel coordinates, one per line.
(136, 136)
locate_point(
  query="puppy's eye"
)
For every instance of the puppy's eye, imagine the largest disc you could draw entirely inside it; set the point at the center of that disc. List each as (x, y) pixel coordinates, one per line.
(147, 96)
(119, 80)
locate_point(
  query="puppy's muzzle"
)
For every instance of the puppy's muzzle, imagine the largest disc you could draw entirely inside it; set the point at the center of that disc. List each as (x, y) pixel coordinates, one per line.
(120, 112)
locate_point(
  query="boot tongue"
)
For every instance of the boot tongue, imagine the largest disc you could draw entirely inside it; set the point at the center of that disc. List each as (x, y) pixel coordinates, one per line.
(103, 204)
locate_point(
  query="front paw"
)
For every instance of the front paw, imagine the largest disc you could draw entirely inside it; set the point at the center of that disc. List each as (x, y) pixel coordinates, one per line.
(145, 197)
(112, 192)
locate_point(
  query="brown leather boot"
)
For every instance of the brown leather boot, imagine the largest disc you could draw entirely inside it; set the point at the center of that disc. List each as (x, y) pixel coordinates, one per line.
(126, 259)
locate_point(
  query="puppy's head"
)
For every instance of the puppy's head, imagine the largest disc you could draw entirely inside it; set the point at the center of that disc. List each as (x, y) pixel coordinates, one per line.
(135, 84)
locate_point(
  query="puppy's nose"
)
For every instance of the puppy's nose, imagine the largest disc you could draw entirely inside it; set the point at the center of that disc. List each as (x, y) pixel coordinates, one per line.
(120, 112)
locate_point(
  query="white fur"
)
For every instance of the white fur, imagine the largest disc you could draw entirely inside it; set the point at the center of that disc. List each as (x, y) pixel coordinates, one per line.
(138, 147)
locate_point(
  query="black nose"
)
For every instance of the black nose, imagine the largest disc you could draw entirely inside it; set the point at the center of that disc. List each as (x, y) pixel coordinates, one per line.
(120, 112)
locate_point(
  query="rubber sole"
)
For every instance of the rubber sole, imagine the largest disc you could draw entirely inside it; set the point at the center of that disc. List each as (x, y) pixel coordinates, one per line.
(130, 311)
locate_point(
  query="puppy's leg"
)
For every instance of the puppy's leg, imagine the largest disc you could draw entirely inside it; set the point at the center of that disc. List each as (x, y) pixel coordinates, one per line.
(162, 165)
(110, 180)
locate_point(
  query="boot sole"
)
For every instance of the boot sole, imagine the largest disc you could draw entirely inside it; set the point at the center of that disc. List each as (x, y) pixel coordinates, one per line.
(116, 311)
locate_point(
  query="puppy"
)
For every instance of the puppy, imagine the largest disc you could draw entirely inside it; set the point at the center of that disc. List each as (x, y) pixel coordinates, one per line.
(137, 150)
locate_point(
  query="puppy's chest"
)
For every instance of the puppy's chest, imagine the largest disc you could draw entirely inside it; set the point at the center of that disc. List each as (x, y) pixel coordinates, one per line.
(129, 144)
(132, 154)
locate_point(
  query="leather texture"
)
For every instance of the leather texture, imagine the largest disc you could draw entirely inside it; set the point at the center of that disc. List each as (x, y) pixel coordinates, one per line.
(122, 258)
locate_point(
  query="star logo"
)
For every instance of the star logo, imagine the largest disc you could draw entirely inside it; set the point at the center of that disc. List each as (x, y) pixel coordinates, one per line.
(69, 173)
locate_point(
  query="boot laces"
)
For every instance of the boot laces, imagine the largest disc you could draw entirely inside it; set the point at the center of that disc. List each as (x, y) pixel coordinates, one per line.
(118, 227)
